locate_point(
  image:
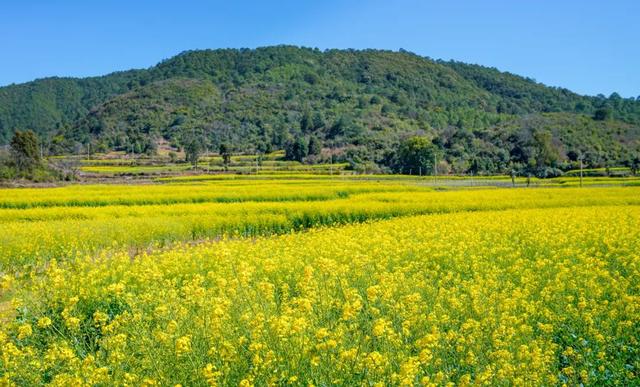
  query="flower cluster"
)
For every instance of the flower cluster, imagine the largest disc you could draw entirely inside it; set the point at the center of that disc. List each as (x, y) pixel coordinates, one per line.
(37, 225)
(517, 296)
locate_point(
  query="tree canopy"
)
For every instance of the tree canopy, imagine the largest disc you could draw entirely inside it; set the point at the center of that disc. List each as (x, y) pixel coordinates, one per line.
(24, 150)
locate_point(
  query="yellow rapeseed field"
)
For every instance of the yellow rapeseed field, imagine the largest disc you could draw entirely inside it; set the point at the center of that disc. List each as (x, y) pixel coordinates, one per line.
(490, 286)
(63, 223)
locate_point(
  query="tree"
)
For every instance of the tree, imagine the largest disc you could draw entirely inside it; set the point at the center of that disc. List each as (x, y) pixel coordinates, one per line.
(536, 153)
(318, 121)
(225, 152)
(341, 126)
(546, 154)
(415, 155)
(68, 168)
(306, 122)
(315, 146)
(24, 150)
(543, 157)
(296, 149)
(634, 164)
(513, 171)
(192, 151)
(311, 78)
(602, 114)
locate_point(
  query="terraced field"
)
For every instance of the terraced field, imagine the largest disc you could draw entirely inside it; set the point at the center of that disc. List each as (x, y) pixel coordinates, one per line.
(272, 163)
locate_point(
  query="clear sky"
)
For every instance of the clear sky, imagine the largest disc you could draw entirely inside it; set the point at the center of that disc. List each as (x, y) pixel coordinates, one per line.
(589, 46)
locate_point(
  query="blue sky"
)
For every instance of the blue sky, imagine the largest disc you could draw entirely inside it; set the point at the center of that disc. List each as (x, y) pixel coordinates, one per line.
(587, 46)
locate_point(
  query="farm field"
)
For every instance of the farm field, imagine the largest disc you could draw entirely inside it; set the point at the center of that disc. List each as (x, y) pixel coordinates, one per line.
(117, 164)
(315, 280)
(66, 222)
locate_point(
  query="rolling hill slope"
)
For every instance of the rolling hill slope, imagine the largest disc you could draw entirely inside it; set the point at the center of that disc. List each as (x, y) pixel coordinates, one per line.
(361, 102)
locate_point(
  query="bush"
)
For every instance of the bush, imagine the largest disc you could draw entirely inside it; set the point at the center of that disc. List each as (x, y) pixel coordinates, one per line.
(549, 172)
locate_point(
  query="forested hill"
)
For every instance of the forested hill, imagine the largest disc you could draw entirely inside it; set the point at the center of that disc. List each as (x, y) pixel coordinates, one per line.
(359, 102)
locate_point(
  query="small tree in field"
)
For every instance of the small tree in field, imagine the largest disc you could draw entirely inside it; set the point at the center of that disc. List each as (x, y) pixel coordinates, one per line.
(416, 155)
(192, 151)
(225, 152)
(24, 150)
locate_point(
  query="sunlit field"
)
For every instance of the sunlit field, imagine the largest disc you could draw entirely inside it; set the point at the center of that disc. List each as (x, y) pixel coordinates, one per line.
(67, 222)
(272, 163)
(320, 280)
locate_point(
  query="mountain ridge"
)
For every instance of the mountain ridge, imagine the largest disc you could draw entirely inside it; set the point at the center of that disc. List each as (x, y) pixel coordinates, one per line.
(264, 97)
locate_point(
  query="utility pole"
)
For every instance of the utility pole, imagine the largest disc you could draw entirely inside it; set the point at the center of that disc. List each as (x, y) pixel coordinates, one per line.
(331, 162)
(258, 161)
(581, 166)
(435, 168)
(206, 156)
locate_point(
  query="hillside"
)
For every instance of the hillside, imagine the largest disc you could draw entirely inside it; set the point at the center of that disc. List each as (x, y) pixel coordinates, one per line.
(358, 102)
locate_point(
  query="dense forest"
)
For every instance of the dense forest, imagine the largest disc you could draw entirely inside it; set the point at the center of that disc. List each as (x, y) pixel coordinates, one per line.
(379, 110)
